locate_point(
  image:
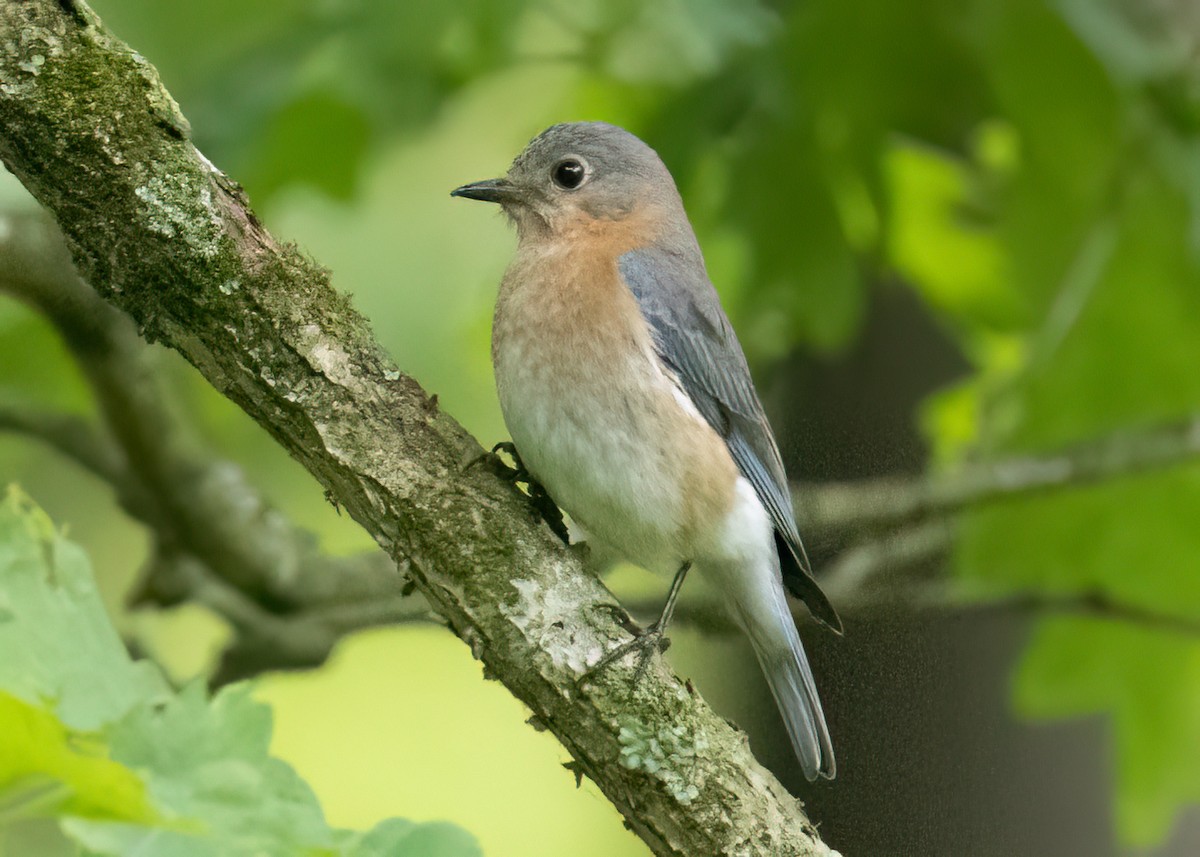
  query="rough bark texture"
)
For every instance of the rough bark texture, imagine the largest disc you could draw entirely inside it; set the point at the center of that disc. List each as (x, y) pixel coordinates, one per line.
(155, 228)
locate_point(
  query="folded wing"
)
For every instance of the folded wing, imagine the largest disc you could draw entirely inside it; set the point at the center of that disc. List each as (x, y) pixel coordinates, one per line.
(694, 339)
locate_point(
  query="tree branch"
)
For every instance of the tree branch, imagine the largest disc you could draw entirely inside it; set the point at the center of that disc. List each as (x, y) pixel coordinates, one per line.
(895, 524)
(1094, 604)
(887, 503)
(88, 128)
(218, 542)
(72, 436)
(856, 572)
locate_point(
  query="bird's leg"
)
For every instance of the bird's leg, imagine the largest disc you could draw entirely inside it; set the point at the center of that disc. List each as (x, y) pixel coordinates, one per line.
(538, 498)
(648, 640)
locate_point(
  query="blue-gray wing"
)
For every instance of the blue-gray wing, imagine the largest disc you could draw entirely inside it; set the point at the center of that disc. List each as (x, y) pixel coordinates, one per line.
(694, 339)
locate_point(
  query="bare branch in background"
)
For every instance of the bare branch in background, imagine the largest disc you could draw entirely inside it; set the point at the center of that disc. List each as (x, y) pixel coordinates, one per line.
(887, 503)
(1094, 605)
(218, 542)
(939, 598)
(70, 435)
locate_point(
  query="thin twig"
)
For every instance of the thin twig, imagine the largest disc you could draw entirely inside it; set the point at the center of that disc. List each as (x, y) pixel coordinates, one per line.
(889, 502)
(71, 436)
(1094, 604)
(710, 616)
(856, 571)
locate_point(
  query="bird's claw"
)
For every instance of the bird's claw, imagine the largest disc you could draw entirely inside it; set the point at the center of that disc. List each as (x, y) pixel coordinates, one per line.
(538, 498)
(646, 641)
(621, 616)
(517, 472)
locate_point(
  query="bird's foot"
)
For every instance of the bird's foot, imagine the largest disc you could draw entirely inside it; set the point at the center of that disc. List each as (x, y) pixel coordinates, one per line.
(548, 509)
(646, 641)
(517, 473)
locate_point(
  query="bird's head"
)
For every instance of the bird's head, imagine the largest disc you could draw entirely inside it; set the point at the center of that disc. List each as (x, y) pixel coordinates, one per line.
(580, 173)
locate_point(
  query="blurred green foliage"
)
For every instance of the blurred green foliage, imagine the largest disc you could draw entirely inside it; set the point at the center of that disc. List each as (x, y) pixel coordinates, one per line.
(101, 743)
(1030, 169)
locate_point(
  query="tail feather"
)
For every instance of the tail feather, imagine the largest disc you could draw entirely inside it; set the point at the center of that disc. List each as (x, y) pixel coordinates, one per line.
(783, 662)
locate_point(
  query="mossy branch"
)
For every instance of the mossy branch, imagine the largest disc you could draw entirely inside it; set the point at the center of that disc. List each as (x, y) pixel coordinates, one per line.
(216, 540)
(86, 125)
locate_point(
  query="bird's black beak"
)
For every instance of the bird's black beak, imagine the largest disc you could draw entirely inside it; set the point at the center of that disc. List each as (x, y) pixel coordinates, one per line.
(492, 190)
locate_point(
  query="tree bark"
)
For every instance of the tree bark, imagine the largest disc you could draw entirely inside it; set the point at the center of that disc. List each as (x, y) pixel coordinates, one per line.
(86, 125)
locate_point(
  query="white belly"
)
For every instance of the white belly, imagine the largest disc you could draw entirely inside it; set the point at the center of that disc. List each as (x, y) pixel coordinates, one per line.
(596, 436)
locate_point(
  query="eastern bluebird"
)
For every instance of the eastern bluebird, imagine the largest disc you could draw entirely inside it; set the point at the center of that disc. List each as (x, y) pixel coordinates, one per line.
(629, 399)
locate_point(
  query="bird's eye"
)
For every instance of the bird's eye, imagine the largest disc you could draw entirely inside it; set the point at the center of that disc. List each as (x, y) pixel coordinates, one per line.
(569, 174)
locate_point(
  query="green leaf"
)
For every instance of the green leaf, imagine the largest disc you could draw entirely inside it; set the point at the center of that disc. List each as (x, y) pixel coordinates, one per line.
(206, 763)
(98, 741)
(57, 644)
(954, 260)
(318, 139)
(47, 769)
(674, 43)
(1118, 347)
(1068, 156)
(1062, 249)
(399, 838)
(1145, 682)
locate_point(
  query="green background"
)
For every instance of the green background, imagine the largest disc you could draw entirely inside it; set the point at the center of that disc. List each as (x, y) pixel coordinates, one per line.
(1024, 176)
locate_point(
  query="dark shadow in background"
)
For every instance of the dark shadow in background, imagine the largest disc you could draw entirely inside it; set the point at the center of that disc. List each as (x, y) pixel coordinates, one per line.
(930, 760)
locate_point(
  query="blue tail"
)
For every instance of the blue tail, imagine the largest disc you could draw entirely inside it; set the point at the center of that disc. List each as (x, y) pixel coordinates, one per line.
(783, 662)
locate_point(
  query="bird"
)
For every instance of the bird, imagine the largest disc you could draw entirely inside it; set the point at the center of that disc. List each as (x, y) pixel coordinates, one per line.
(629, 399)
